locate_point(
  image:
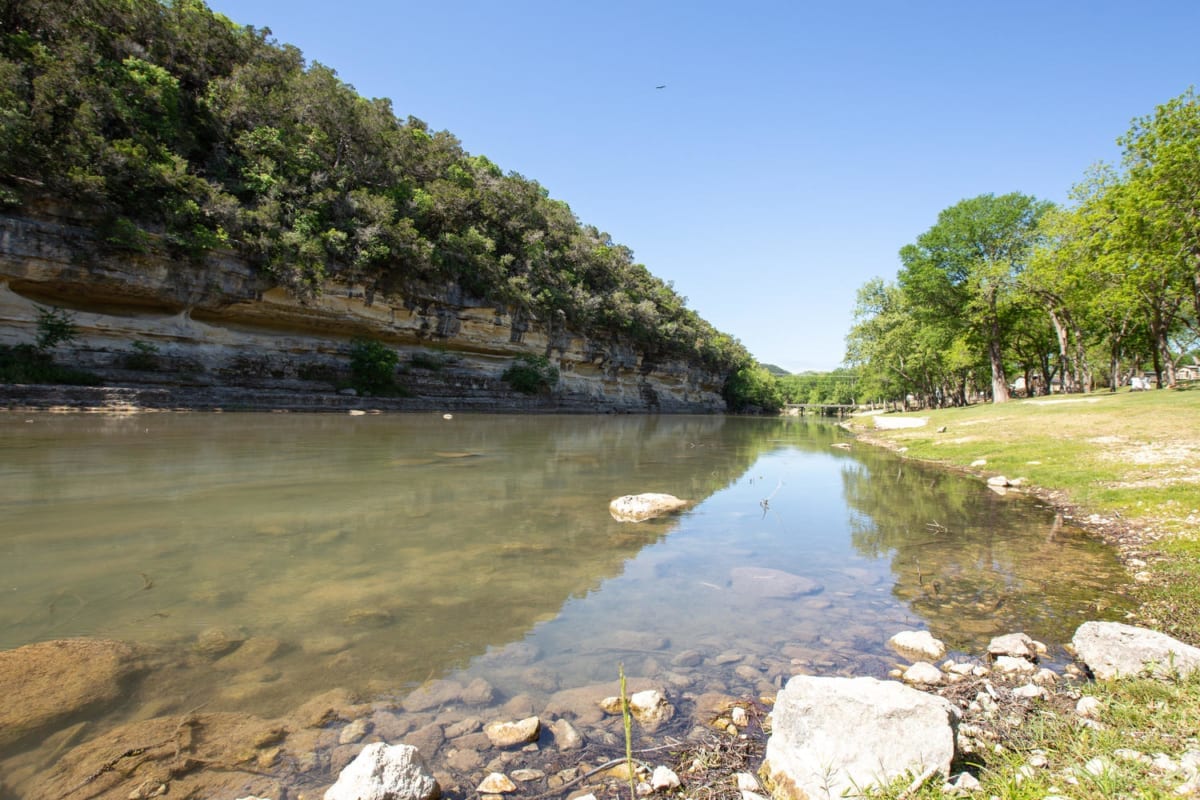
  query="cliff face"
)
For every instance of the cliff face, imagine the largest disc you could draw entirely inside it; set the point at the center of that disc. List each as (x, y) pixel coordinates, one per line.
(219, 324)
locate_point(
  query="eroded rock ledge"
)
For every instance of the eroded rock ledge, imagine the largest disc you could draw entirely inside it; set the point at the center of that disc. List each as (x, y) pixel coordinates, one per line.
(220, 325)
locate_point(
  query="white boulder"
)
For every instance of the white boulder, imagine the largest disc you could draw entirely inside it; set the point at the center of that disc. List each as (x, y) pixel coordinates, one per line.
(1116, 650)
(383, 772)
(835, 737)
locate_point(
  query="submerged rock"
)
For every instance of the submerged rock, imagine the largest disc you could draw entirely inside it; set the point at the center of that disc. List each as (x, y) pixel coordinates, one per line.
(771, 583)
(641, 507)
(48, 683)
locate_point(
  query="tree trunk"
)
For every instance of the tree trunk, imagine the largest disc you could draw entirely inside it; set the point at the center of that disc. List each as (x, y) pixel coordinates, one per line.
(1060, 333)
(999, 381)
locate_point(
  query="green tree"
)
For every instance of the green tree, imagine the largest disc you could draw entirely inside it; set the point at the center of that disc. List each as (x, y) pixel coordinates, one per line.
(752, 388)
(964, 269)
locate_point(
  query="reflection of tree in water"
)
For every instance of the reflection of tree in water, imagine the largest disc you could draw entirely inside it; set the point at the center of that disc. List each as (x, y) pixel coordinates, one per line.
(974, 564)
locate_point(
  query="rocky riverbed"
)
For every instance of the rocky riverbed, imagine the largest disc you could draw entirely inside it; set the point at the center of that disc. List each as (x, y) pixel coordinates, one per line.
(688, 734)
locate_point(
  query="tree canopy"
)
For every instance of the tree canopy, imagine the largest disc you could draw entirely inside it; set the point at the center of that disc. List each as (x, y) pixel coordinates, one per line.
(172, 124)
(1008, 285)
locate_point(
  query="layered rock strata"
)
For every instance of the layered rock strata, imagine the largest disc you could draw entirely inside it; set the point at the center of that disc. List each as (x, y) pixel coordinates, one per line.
(149, 319)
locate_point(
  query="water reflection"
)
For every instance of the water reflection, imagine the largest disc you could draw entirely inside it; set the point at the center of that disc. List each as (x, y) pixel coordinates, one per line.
(972, 563)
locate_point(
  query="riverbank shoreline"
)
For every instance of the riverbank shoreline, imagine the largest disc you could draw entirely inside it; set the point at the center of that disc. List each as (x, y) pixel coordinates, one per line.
(134, 399)
(1132, 539)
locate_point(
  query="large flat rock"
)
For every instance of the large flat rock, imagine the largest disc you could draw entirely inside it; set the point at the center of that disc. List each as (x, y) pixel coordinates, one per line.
(45, 685)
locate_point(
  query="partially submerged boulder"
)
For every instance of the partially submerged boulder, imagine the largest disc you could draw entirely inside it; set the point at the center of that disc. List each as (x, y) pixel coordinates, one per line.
(1115, 650)
(918, 646)
(50, 683)
(641, 507)
(835, 737)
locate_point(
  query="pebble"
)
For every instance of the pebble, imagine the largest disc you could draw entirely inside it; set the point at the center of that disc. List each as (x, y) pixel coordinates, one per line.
(353, 732)
(664, 778)
(496, 783)
(923, 672)
(1088, 707)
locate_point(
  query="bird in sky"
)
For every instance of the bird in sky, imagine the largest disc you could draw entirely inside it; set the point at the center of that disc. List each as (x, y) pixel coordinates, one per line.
(661, 86)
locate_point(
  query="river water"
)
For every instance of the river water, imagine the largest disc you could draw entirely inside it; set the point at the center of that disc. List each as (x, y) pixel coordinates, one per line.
(377, 553)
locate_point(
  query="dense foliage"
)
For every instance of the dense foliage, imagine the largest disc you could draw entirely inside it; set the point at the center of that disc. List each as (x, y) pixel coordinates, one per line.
(372, 367)
(531, 375)
(1008, 290)
(171, 123)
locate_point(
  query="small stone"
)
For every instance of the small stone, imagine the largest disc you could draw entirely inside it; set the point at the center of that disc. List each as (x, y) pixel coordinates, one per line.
(353, 732)
(1097, 766)
(512, 734)
(215, 642)
(651, 709)
(463, 727)
(496, 783)
(1088, 706)
(1011, 664)
(1164, 763)
(966, 782)
(1017, 645)
(1045, 677)
(688, 658)
(746, 782)
(917, 645)
(478, 693)
(1029, 692)
(999, 481)
(728, 657)
(979, 462)
(663, 778)
(738, 716)
(1037, 759)
(566, 737)
(746, 672)
(923, 673)
(526, 775)
(1134, 756)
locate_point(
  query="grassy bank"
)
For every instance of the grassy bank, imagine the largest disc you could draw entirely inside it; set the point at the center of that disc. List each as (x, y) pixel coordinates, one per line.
(1126, 466)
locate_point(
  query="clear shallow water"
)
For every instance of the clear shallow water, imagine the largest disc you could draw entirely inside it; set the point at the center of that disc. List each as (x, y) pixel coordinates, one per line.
(376, 553)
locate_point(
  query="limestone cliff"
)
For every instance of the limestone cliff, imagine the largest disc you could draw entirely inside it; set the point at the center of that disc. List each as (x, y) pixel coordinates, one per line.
(218, 325)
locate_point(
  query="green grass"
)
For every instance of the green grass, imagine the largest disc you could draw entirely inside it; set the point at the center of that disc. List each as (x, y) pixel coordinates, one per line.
(1133, 454)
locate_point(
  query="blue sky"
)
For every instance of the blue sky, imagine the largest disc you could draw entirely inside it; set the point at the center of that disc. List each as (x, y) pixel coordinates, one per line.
(796, 147)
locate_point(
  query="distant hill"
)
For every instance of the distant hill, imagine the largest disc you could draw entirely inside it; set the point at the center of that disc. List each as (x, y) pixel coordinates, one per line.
(778, 372)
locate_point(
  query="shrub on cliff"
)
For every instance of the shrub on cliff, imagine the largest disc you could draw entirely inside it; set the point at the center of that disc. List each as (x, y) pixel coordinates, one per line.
(531, 375)
(373, 367)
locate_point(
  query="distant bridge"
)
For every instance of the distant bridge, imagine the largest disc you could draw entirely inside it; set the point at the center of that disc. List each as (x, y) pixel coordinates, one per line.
(824, 409)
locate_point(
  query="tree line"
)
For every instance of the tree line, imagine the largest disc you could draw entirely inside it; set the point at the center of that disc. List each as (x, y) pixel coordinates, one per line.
(173, 126)
(1008, 290)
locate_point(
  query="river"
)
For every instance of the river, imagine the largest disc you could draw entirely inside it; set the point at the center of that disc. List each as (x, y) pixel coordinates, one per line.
(381, 553)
